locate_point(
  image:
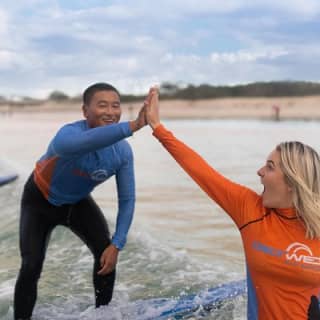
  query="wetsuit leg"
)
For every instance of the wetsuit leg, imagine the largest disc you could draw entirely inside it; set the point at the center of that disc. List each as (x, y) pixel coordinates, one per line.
(88, 222)
(35, 230)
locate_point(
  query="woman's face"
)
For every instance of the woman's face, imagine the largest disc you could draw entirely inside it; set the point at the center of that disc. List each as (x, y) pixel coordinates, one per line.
(104, 108)
(276, 192)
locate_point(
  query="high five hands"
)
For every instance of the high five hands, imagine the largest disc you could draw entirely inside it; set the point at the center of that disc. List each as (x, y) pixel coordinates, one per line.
(151, 108)
(149, 112)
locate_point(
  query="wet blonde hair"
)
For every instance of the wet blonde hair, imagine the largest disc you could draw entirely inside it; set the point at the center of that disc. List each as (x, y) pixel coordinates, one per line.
(301, 167)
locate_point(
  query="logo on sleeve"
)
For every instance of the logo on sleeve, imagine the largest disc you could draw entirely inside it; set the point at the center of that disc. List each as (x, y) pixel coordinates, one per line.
(99, 175)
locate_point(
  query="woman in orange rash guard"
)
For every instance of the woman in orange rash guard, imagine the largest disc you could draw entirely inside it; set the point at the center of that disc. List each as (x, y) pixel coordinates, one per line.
(280, 228)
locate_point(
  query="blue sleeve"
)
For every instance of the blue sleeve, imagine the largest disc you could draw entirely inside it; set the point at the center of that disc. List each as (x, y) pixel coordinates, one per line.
(71, 140)
(126, 201)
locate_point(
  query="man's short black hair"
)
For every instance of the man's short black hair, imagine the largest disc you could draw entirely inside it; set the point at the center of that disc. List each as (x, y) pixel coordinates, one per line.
(100, 86)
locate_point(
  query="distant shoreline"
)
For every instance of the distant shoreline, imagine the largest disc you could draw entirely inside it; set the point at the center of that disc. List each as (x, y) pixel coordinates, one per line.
(282, 108)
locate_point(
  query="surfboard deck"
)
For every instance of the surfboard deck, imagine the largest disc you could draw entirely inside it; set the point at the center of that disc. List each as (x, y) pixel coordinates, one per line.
(200, 303)
(7, 179)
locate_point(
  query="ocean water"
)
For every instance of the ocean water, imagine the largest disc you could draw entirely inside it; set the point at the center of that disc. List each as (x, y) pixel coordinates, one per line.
(180, 242)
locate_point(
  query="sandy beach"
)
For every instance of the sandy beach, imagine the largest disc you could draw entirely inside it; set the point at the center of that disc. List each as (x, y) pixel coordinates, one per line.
(284, 108)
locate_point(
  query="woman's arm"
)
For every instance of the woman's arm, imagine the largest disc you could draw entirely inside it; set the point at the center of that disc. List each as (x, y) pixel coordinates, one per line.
(232, 197)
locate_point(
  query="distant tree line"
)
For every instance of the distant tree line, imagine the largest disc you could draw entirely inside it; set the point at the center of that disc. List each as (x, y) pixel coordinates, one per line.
(205, 91)
(170, 90)
(257, 89)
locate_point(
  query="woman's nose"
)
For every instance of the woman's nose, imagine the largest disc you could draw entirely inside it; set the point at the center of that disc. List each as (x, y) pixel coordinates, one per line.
(260, 172)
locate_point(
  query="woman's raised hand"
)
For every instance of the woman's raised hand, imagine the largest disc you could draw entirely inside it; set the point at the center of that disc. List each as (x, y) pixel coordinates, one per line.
(152, 108)
(141, 119)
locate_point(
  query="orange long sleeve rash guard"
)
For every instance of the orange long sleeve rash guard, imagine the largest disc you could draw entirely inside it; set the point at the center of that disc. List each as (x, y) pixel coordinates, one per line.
(283, 267)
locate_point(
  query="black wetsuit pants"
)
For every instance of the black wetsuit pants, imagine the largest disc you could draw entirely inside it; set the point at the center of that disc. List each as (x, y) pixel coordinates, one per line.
(38, 219)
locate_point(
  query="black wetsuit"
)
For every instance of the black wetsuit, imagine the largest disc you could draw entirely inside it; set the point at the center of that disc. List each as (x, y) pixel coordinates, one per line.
(84, 218)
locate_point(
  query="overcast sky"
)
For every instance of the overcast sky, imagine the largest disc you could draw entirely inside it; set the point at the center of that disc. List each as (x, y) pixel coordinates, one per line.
(67, 45)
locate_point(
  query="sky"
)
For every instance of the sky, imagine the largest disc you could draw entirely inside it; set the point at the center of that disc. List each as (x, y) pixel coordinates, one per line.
(67, 45)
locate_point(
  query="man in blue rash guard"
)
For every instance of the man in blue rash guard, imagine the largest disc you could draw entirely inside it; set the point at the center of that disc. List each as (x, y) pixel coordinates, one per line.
(82, 155)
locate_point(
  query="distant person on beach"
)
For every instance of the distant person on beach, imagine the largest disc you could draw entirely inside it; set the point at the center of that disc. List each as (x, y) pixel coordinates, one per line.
(280, 228)
(82, 155)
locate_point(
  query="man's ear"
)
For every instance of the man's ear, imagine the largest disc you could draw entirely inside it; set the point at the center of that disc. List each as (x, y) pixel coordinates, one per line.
(84, 110)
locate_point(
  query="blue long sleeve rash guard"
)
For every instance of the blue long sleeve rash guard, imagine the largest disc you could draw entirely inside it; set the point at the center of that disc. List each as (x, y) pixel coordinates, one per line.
(79, 158)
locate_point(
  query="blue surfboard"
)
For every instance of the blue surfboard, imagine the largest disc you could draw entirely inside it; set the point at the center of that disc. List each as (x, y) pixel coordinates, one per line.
(202, 302)
(7, 179)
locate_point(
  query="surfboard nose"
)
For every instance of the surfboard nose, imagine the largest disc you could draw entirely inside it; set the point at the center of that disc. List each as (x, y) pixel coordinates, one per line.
(7, 179)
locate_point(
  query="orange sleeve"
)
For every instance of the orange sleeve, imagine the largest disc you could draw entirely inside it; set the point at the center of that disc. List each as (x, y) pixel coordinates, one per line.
(238, 201)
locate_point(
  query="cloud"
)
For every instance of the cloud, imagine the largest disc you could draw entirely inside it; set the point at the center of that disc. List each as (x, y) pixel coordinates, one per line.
(65, 45)
(3, 22)
(247, 56)
(296, 9)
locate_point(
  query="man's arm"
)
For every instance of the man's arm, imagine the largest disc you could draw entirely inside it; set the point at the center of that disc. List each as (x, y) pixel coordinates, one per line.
(72, 140)
(126, 201)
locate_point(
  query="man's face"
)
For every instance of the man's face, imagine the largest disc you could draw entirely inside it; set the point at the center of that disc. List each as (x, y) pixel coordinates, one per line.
(103, 109)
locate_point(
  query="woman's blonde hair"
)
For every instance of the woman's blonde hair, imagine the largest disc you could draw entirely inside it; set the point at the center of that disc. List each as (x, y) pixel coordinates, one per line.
(301, 167)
